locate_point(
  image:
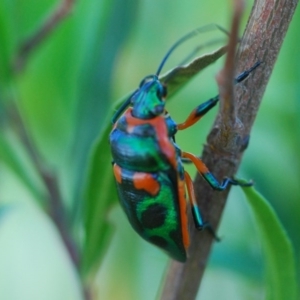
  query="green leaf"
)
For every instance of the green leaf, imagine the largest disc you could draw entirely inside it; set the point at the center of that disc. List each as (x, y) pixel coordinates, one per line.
(100, 194)
(107, 33)
(277, 248)
(177, 77)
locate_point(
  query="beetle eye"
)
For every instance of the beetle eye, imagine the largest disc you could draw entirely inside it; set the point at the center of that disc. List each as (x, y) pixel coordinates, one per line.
(161, 92)
(164, 91)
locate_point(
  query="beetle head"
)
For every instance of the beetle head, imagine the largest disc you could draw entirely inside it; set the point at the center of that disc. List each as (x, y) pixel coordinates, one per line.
(149, 100)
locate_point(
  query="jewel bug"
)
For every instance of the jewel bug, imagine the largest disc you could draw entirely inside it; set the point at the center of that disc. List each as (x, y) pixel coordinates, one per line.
(148, 165)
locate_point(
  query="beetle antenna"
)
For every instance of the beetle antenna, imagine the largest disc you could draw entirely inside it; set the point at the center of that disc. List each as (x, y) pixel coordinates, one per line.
(186, 37)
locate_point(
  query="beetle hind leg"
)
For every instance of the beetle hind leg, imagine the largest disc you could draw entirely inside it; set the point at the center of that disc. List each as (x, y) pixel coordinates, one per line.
(209, 177)
(199, 223)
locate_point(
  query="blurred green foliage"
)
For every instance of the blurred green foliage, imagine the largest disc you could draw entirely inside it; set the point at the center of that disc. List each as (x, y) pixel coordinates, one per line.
(96, 55)
(280, 267)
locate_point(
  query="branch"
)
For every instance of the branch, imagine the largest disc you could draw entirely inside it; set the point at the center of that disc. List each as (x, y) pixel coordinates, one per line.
(262, 40)
(56, 208)
(42, 33)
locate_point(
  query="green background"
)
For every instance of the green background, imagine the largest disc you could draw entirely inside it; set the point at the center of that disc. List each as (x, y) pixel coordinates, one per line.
(98, 54)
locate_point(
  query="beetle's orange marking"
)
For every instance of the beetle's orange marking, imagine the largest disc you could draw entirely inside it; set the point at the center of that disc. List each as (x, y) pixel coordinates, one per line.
(164, 142)
(145, 181)
(159, 124)
(199, 164)
(190, 188)
(183, 214)
(118, 173)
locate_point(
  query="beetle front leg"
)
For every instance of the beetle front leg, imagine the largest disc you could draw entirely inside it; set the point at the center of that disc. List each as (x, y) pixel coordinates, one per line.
(198, 112)
(203, 108)
(199, 223)
(209, 177)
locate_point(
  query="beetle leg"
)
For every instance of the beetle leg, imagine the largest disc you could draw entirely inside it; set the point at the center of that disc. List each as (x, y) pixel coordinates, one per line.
(199, 223)
(242, 76)
(187, 160)
(198, 112)
(209, 177)
(203, 108)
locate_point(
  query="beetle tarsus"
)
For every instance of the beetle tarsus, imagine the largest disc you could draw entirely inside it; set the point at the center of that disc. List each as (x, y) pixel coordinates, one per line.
(211, 230)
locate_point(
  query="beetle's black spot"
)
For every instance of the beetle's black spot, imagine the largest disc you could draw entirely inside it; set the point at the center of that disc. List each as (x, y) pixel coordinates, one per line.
(176, 236)
(158, 241)
(154, 216)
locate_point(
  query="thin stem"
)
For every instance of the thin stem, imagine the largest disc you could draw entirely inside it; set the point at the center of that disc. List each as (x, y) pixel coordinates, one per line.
(56, 207)
(226, 75)
(32, 42)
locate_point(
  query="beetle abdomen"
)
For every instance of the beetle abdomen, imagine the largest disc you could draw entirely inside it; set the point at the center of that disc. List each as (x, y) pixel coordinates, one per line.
(151, 203)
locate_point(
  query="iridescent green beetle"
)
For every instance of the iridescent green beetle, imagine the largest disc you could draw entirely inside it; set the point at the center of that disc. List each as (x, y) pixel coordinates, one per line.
(148, 165)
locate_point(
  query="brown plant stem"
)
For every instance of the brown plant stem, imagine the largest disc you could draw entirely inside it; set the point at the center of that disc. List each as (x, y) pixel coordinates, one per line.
(262, 40)
(56, 207)
(32, 42)
(55, 203)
